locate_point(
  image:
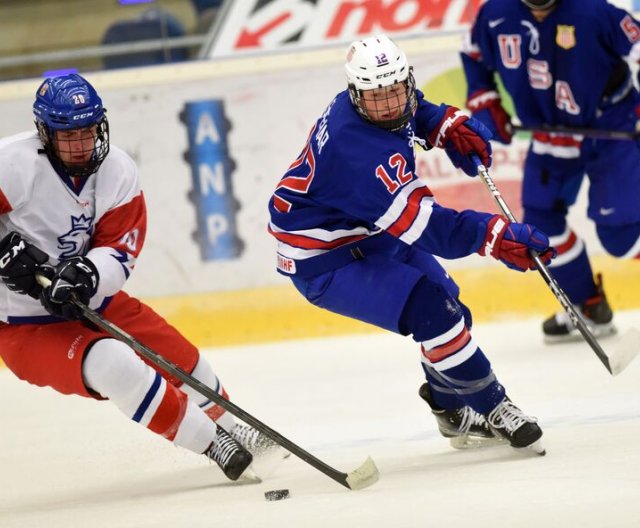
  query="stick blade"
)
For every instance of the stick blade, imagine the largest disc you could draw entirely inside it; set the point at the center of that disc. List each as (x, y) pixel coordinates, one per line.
(363, 476)
(627, 350)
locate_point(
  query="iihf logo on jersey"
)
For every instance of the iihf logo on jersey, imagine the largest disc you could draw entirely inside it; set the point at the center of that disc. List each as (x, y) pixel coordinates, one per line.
(75, 241)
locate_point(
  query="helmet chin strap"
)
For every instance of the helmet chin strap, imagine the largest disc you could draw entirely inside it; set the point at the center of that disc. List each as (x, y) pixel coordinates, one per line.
(538, 4)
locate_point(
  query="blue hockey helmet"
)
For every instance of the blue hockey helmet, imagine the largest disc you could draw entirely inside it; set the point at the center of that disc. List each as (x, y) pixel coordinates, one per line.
(538, 4)
(66, 103)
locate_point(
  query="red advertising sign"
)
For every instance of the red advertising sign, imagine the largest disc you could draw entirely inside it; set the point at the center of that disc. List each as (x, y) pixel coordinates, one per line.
(259, 25)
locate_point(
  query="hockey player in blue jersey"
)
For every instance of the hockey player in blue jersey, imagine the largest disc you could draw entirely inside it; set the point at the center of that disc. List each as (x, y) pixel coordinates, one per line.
(562, 62)
(357, 231)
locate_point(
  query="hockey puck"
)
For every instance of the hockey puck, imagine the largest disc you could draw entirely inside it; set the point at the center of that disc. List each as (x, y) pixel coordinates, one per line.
(276, 495)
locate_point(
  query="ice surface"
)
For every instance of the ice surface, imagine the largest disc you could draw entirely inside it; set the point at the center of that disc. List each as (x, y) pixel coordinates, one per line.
(68, 461)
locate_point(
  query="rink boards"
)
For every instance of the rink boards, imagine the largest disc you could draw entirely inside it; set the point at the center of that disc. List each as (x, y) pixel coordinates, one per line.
(280, 312)
(208, 263)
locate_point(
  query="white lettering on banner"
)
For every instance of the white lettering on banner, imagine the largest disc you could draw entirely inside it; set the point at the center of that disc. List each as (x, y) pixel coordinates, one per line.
(211, 178)
(207, 129)
(217, 225)
(267, 25)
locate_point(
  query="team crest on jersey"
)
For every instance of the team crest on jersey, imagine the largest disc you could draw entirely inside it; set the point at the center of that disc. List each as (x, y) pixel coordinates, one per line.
(75, 241)
(566, 36)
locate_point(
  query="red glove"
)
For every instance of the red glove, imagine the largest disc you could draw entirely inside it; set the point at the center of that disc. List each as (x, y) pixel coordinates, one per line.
(510, 243)
(486, 106)
(466, 136)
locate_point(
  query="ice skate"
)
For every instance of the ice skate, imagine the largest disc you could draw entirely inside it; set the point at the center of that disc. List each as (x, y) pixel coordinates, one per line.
(464, 427)
(253, 440)
(232, 458)
(267, 453)
(520, 430)
(597, 313)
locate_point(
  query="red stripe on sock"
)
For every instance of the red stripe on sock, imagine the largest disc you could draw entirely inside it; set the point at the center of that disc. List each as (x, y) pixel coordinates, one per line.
(571, 241)
(448, 349)
(170, 413)
(216, 411)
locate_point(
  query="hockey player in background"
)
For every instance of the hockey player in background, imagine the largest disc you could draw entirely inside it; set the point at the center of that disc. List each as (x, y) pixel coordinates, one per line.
(562, 62)
(72, 209)
(357, 231)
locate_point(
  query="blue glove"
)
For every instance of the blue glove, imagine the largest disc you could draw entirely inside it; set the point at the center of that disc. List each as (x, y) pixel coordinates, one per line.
(482, 136)
(510, 243)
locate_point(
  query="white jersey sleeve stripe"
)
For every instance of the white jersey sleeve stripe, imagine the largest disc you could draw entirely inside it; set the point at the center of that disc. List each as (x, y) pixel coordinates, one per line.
(399, 205)
(420, 223)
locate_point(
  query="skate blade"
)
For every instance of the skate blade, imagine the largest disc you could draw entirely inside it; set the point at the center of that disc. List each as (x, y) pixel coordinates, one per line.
(536, 448)
(600, 331)
(249, 477)
(475, 442)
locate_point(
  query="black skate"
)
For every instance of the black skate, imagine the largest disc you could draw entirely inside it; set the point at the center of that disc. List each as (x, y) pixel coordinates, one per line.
(252, 440)
(596, 311)
(232, 458)
(464, 427)
(520, 430)
(267, 454)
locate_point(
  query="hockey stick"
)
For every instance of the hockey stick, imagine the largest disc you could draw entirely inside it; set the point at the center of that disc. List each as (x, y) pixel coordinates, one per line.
(630, 341)
(363, 476)
(595, 133)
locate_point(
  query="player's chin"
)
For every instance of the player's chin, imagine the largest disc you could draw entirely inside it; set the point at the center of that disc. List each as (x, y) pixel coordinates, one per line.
(76, 164)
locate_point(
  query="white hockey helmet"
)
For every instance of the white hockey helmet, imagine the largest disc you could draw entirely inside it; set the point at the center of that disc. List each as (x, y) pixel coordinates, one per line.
(378, 62)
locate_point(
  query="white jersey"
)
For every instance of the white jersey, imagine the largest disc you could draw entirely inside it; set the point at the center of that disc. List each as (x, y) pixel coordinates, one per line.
(102, 217)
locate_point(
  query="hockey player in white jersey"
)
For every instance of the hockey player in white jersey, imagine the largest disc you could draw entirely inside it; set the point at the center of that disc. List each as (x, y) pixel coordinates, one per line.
(71, 207)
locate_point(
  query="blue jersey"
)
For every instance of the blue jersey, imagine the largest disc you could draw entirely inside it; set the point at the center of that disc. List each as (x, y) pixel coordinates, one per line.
(559, 71)
(354, 187)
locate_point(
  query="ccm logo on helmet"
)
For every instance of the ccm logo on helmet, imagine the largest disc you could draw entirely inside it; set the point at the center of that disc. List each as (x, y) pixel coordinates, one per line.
(388, 74)
(82, 116)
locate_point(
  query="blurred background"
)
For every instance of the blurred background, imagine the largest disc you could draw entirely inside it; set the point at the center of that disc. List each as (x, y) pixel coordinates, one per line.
(214, 99)
(42, 35)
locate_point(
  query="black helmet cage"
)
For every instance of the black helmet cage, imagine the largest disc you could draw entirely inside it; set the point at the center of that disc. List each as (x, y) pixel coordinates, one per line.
(100, 149)
(538, 4)
(390, 124)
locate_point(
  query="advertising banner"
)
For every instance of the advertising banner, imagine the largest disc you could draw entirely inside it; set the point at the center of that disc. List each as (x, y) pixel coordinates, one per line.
(258, 26)
(211, 149)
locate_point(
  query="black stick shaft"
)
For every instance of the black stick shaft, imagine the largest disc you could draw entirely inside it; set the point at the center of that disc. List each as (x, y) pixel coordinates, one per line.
(559, 293)
(595, 133)
(361, 477)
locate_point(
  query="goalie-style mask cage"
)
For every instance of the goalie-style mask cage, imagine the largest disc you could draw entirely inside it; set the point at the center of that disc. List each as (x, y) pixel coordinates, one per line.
(377, 69)
(538, 4)
(69, 103)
